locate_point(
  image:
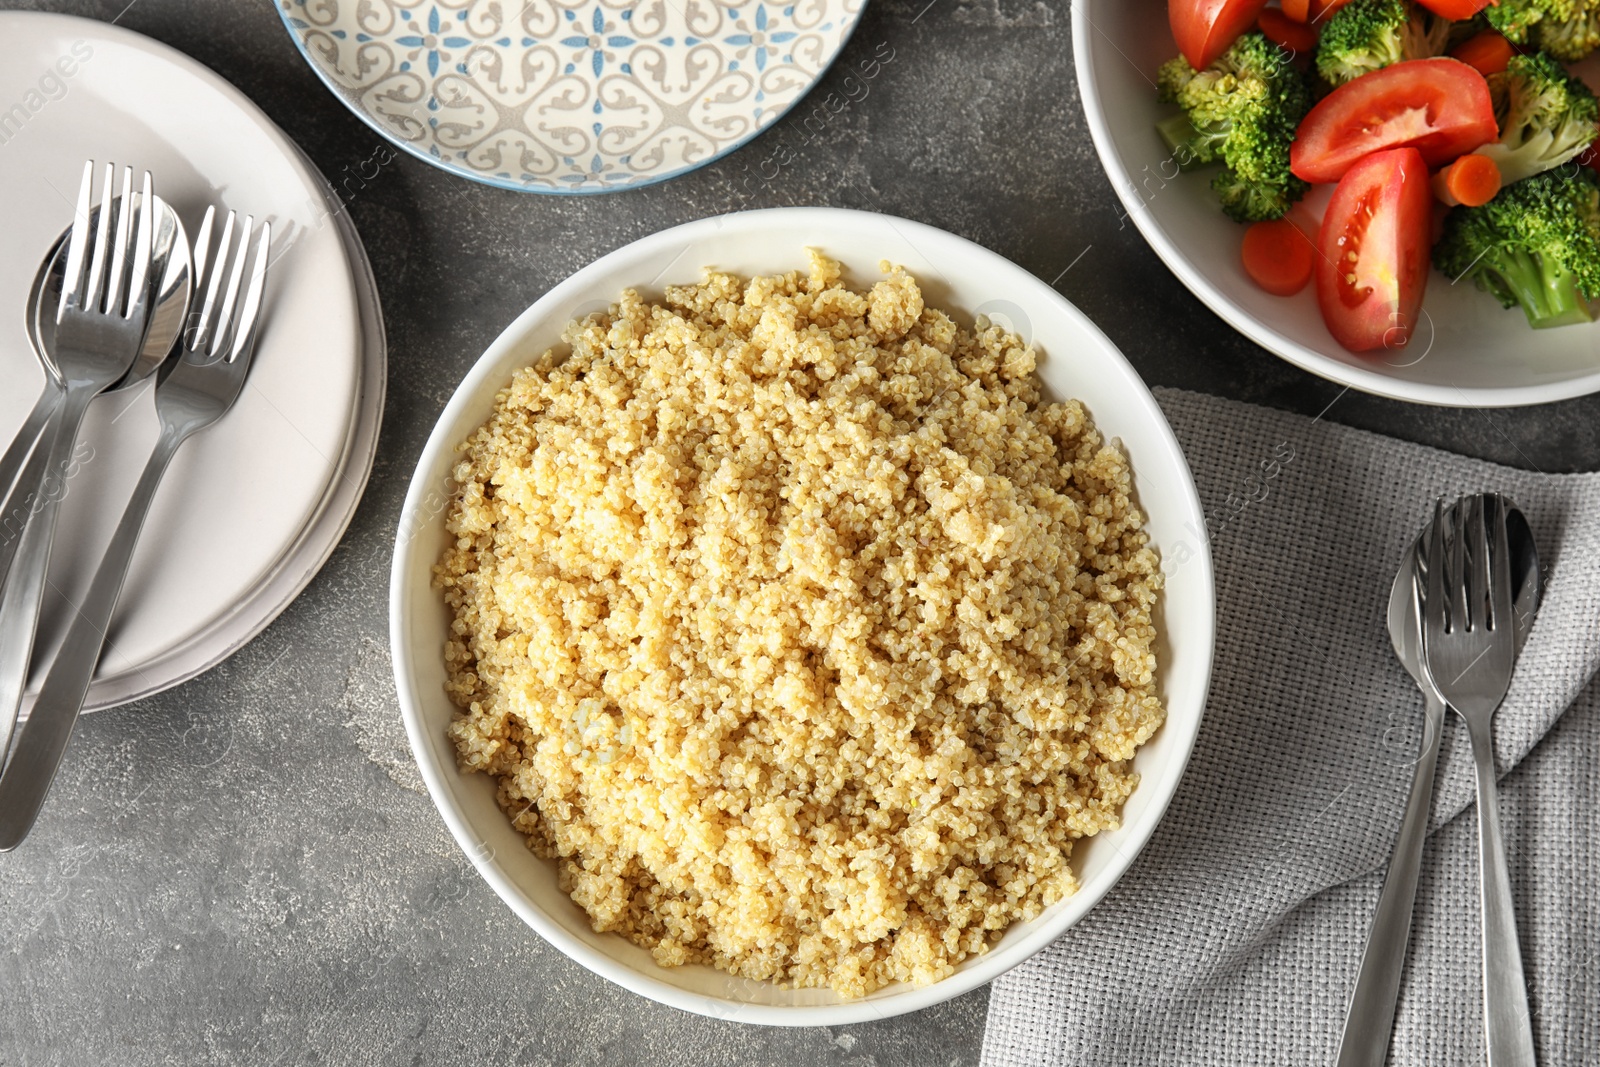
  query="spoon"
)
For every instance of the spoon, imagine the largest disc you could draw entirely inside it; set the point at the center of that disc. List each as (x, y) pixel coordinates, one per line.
(1368, 1024)
(31, 493)
(166, 322)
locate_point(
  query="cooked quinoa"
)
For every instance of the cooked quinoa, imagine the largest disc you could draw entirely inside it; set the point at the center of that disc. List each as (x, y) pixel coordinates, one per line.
(798, 629)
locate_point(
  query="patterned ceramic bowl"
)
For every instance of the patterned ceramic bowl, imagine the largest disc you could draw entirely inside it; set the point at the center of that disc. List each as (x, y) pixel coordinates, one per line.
(570, 96)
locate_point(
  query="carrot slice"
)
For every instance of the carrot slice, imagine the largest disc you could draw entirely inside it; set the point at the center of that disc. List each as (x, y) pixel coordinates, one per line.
(1488, 51)
(1471, 180)
(1285, 32)
(1277, 256)
(1299, 10)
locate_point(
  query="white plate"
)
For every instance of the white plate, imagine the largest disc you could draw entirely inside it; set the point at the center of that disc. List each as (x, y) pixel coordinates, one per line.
(239, 498)
(574, 96)
(1467, 351)
(1077, 360)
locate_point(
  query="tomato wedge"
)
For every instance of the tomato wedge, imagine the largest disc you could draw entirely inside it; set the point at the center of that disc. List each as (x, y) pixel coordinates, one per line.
(1440, 107)
(1372, 266)
(1204, 29)
(1456, 10)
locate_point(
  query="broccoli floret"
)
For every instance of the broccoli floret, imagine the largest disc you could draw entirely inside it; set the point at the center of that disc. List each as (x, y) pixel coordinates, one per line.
(1242, 110)
(1567, 29)
(1368, 35)
(1537, 244)
(1247, 201)
(1190, 148)
(1546, 117)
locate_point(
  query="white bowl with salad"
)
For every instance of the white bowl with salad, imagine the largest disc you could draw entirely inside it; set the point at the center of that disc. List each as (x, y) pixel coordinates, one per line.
(1311, 170)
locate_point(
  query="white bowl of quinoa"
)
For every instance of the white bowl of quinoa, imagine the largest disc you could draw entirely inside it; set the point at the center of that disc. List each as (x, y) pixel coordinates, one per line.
(798, 616)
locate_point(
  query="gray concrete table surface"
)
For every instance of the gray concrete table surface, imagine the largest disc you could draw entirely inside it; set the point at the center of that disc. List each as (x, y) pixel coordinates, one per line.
(246, 870)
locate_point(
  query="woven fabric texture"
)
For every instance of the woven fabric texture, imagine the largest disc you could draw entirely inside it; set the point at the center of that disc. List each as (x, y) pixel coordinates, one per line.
(1235, 937)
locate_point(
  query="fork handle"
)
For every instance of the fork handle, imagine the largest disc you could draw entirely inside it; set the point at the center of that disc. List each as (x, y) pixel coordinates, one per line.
(27, 498)
(1508, 1025)
(21, 447)
(22, 474)
(43, 738)
(1370, 1020)
(23, 593)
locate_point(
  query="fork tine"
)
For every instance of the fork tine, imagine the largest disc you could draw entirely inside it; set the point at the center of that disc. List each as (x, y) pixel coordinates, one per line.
(1500, 585)
(202, 331)
(94, 295)
(78, 243)
(1433, 614)
(202, 246)
(139, 274)
(1478, 587)
(244, 334)
(1456, 575)
(224, 332)
(117, 279)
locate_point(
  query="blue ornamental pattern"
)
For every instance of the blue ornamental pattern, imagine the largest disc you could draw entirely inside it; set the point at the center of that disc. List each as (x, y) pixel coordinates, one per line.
(570, 96)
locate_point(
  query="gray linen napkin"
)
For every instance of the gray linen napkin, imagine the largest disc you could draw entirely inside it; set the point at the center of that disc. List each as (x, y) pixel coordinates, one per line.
(1235, 936)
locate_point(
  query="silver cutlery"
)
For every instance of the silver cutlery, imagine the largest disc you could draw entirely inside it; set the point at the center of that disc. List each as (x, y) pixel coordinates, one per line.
(192, 392)
(21, 447)
(21, 481)
(101, 324)
(1469, 647)
(1370, 1018)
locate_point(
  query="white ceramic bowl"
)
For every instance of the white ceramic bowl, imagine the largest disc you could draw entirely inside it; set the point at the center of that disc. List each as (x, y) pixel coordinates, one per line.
(1467, 352)
(1077, 360)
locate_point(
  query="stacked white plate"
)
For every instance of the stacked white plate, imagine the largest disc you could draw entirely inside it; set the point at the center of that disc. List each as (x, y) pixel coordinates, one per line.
(252, 507)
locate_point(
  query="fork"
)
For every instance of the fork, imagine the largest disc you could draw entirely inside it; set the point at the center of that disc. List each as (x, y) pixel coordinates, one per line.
(1469, 646)
(193, 392)
(100, 327)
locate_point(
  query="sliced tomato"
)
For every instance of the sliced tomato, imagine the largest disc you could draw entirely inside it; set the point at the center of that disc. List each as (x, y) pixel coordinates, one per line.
(1372, 266)
(1456, 10)
(1285, 32)
(1204, 29)
(1441, 107)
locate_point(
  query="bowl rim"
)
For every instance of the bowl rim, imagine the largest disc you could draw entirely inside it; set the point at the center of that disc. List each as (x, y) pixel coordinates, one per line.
(487, 373)
(1279, 344)
(346, 97)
